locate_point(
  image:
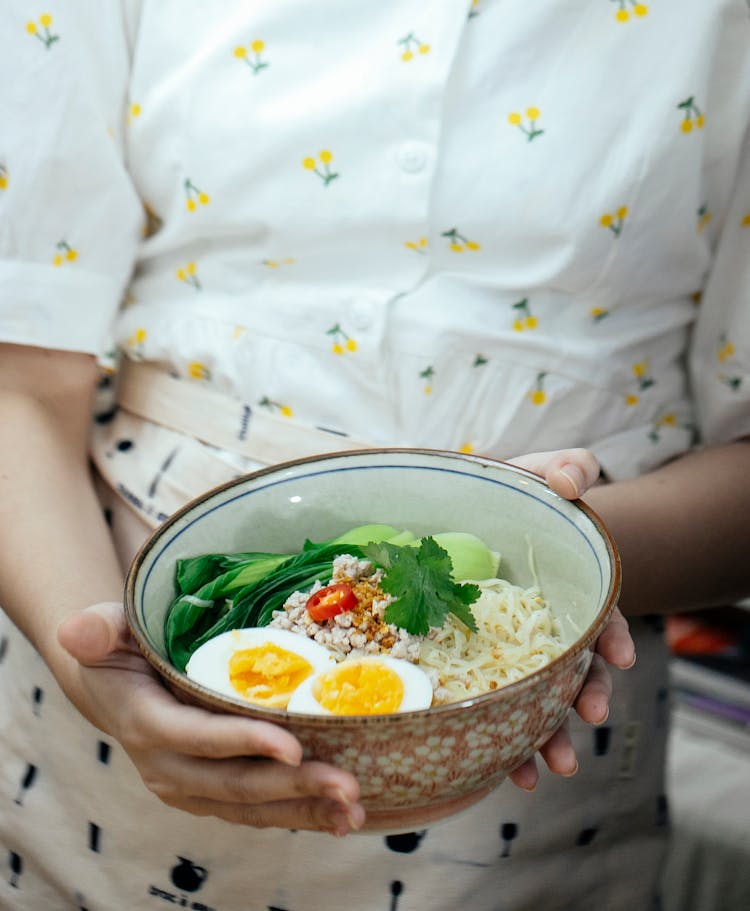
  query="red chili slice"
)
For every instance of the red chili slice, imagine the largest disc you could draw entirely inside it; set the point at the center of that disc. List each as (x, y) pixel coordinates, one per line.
(331, 600)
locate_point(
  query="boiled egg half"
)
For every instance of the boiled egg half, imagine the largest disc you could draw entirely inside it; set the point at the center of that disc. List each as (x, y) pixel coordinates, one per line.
(375, 685)
(260, 664)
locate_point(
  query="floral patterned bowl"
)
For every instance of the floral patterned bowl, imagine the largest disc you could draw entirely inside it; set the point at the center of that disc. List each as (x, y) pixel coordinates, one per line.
(417, 767)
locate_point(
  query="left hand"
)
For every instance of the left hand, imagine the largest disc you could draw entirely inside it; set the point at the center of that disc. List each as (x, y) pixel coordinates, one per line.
(570, 473)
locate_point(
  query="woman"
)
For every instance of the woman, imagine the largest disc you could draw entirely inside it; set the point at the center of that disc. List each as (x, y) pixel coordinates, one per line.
(456, 225)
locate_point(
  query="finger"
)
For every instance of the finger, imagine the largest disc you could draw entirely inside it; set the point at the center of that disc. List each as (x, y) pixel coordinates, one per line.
(155, 720)
(252, 781)
(92, 634)
(616, 644)
(559, 754)
(308, 814)
(569, 472)
(525, 776)
(592, 703)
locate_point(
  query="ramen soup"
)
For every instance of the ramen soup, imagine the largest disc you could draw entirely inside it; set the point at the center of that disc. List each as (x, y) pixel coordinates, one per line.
(395, 624)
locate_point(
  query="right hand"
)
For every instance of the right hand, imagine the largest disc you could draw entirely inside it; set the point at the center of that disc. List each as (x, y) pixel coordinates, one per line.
(244, 771)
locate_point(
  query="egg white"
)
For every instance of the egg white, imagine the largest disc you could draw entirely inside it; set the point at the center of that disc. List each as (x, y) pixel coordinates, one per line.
(417, 687)
(209, 664)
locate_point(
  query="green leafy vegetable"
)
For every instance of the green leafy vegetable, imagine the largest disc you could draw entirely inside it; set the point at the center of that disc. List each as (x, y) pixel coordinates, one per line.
(219, 592)
(421, 580)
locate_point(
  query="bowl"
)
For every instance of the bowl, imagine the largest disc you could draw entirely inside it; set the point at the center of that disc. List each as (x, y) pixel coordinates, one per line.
(417, 767)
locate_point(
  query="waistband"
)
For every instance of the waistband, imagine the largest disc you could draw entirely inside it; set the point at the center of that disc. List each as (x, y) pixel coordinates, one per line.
(206, 414)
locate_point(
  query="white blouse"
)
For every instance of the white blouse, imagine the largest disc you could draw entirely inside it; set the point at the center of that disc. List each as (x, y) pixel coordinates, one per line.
(457, 224)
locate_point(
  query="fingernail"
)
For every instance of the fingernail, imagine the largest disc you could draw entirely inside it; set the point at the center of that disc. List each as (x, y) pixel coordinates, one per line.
(628, 666)
(571, 774)
(288, 759)
(338, 795)
(604, 717)
(354, 824)
(529, 788)
(574, 474)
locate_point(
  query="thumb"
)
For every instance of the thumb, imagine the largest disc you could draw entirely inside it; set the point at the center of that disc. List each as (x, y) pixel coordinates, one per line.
(96, 632)
(569, 472)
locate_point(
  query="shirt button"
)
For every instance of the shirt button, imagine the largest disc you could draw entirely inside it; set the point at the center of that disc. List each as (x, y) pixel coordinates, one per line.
(412, 157)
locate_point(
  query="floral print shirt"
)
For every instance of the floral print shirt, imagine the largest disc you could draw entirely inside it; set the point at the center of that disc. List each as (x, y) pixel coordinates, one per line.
(446, 224)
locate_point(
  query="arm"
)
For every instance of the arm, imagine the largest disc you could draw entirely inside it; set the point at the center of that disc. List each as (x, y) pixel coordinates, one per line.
(56, 557)
(682, 531)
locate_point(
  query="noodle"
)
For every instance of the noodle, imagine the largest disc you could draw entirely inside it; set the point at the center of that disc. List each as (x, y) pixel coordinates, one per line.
(517, 634)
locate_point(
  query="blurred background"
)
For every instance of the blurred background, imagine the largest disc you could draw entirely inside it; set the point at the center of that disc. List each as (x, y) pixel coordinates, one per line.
(709, 760)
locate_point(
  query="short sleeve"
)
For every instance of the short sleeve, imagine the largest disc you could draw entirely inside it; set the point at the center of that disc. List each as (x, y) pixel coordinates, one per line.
(720, 353)
(70, 218)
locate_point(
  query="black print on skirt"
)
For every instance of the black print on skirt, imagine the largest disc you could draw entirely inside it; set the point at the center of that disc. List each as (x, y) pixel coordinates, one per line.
(508, 832)
(27, 782)
(16, 868)
(406, 843)
(186, 876)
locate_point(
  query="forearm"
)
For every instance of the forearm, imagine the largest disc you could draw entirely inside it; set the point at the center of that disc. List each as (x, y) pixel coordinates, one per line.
(56, 554)
(682, 530)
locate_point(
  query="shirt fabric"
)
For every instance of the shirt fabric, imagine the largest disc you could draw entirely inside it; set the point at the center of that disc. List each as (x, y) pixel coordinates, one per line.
(467, 225)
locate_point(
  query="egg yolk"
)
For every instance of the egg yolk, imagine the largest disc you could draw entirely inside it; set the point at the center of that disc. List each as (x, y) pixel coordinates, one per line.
(359, 688)
(267, 675)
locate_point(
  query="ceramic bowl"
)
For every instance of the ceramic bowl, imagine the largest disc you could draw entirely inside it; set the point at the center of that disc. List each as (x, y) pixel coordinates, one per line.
(417, 767)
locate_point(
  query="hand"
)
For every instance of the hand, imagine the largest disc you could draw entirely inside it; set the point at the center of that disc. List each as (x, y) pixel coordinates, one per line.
(570, 472)
(244, 771)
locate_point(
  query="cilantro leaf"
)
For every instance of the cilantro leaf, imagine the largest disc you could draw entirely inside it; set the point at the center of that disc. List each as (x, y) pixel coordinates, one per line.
(421, 581)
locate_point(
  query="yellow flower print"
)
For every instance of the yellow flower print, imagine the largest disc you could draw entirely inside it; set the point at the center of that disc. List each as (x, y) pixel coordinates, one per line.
(745, 220)
(459, 242)
(325, 174)
(3, 177)
(136, 342)
(530, 128)
(623, 14)
(704, 218)
(598, 313)
(253, 59)
(134, 112)
(239, 331)
(277, 263)
(65, 254)
(537, 395)
(474, 9)
(411, 45)
(631, 399)
(194, 196)
(45, 35)
(524, 318)
(427, 374)
(284, 410)
(341, 341)
(198, 371)
(725, 352)
(614, 222)
(725, 349)
(189, 275)
(418, 246)
(641, 371)
(668, 419)
(693, 116)
(466, 448)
